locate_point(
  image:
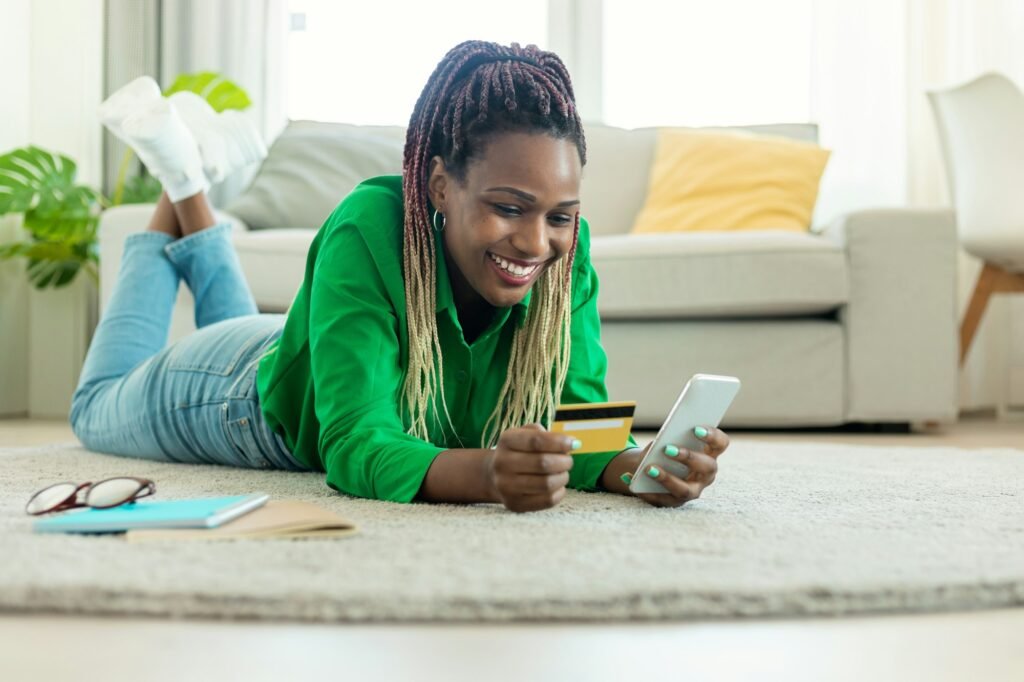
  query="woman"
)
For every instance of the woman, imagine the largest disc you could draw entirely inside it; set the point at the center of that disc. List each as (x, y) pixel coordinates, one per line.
(443, 315)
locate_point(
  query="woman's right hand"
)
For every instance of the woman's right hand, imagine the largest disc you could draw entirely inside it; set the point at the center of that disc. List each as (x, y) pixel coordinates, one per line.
(529, 468)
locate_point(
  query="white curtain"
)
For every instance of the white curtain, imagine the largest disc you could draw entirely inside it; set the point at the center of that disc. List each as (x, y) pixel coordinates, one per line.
(949, 42)
(858, 102)
(245, 40)
(873, 63)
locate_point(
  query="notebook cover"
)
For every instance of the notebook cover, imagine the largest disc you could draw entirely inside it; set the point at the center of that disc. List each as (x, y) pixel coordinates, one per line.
(289, 519)
(193, 513)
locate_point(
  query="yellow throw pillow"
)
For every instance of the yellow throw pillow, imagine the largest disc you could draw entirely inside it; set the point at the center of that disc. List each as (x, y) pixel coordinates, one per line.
(712, 180)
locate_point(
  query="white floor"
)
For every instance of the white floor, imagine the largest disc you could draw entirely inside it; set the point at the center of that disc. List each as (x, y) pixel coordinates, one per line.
(982, 645)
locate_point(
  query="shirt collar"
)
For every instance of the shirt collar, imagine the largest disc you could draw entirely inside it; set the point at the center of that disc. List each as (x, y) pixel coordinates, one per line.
(446, 298)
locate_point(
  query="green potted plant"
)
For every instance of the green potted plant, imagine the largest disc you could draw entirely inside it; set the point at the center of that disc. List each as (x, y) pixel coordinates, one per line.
(60, 216)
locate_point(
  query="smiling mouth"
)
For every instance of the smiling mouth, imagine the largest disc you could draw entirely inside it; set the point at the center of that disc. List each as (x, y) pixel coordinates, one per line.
(514, 270)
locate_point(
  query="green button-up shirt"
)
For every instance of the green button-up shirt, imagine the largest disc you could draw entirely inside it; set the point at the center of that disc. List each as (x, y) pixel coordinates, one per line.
(331, 386)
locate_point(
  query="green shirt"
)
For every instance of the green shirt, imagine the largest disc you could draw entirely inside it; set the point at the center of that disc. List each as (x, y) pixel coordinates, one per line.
(332, 384)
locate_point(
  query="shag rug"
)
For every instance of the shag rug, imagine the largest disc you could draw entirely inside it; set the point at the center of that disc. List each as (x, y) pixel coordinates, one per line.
(787, 529)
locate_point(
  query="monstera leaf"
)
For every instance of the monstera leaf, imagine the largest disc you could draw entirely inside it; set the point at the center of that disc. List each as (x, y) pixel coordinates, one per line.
(31, 175)
(220, 92)
(60, 216)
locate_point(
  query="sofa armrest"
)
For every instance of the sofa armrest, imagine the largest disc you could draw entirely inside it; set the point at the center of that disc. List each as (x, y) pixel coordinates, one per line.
(901, 319)
(115, 225)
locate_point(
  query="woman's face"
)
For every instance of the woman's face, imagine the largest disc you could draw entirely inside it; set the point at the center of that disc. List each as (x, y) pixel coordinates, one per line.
(518, 205)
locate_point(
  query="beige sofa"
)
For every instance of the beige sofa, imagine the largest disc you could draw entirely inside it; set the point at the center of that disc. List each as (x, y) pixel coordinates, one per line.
(851, 323)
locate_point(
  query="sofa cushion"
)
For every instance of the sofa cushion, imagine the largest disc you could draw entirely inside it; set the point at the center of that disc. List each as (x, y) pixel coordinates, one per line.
(729, 181)
(311, 167)
(753, 273)
(618, 167)
(274, 263)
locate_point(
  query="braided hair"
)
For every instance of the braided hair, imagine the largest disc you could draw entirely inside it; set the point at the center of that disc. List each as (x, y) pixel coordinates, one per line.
(477, 91)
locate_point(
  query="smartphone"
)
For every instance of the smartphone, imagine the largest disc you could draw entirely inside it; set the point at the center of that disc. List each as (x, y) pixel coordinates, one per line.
(703, 401)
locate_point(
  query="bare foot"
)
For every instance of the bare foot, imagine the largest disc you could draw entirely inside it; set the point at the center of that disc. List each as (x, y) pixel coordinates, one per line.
(164, 218)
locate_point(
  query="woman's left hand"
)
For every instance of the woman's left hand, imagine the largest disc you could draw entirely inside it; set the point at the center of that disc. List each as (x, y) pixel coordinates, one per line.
(703, 468)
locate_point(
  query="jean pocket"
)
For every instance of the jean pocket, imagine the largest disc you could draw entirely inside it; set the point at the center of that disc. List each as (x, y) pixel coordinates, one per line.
(241, 432)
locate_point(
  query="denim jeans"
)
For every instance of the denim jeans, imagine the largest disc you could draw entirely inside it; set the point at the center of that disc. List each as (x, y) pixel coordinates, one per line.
(196, 400)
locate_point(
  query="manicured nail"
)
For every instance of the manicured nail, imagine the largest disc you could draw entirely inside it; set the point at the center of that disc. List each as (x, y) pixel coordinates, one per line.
(627, 478)
(700, 431)
(671, 451)
(577, 444)
(653, 472)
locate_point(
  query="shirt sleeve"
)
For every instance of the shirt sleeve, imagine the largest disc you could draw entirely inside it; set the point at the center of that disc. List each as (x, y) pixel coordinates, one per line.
(357, 375)
(588, 364)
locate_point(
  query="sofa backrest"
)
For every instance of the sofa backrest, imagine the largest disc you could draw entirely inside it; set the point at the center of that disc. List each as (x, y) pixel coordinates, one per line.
(313, 165)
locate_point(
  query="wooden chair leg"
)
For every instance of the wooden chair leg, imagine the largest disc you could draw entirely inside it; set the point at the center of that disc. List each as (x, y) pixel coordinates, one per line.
(992, 280)
(983, 290)
(1010, 282)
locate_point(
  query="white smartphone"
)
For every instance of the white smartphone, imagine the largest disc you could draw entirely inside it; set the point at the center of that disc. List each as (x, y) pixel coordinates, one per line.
(703, 402)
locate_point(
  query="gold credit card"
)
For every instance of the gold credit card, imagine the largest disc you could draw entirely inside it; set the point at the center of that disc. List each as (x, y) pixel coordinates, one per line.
(601, 427)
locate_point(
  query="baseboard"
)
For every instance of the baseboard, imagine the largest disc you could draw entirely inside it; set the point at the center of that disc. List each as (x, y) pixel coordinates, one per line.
(851, 427)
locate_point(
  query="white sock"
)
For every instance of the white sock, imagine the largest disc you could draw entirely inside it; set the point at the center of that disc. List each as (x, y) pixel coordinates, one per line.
(128, 100)
(227, 141)
(167, 148)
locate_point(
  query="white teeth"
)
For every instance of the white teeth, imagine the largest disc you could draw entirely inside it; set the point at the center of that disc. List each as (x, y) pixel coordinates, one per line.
(517, 270)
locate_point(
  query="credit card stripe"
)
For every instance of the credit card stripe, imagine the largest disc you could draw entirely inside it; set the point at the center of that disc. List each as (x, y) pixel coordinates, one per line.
(595, 413)
(595, 424)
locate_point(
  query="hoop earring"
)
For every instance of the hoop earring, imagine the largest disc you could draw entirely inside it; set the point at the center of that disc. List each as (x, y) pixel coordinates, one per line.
(434, 220)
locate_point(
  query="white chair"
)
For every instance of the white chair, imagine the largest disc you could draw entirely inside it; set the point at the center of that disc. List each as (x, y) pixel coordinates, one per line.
(981, 126)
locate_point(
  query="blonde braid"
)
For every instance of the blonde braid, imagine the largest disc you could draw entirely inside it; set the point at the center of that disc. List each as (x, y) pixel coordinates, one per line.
(528, 395)
(422, 384)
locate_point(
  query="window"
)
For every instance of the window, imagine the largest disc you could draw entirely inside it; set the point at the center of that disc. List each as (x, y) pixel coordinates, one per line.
(696, 63)
(366, 63)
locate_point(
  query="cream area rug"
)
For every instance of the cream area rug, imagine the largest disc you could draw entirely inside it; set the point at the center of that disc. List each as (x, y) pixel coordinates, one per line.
(787, 529)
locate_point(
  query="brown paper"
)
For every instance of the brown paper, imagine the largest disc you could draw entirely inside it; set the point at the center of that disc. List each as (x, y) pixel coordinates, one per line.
(277, 519)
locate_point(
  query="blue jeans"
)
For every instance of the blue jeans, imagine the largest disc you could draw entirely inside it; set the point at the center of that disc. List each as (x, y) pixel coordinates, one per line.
(196, 400)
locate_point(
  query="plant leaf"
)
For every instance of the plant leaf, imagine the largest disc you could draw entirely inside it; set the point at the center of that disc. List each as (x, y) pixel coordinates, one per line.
(220, 92)
(46, 273)
(49, 263)
(13, 250)
(141, 189)
(30, 175)
(61, 217)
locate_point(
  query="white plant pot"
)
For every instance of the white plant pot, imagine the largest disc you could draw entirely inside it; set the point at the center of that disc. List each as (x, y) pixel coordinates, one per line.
(13, 326)
(61, 324)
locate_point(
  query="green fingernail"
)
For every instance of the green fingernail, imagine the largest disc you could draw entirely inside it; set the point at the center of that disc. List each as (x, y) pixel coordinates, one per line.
(653, 472)
(700, 431)
(671, 450)
(577, 444)
(627, 478)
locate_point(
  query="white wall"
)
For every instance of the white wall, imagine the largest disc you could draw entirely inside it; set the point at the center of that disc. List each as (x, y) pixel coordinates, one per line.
(53, 81)
(14, 51)
(66, 63)
(14, 112)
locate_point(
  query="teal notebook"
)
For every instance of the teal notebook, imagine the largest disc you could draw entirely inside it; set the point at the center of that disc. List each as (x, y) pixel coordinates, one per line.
(207, 512)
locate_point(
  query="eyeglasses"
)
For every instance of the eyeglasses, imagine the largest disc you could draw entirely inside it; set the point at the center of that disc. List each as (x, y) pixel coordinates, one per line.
(111, 492)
